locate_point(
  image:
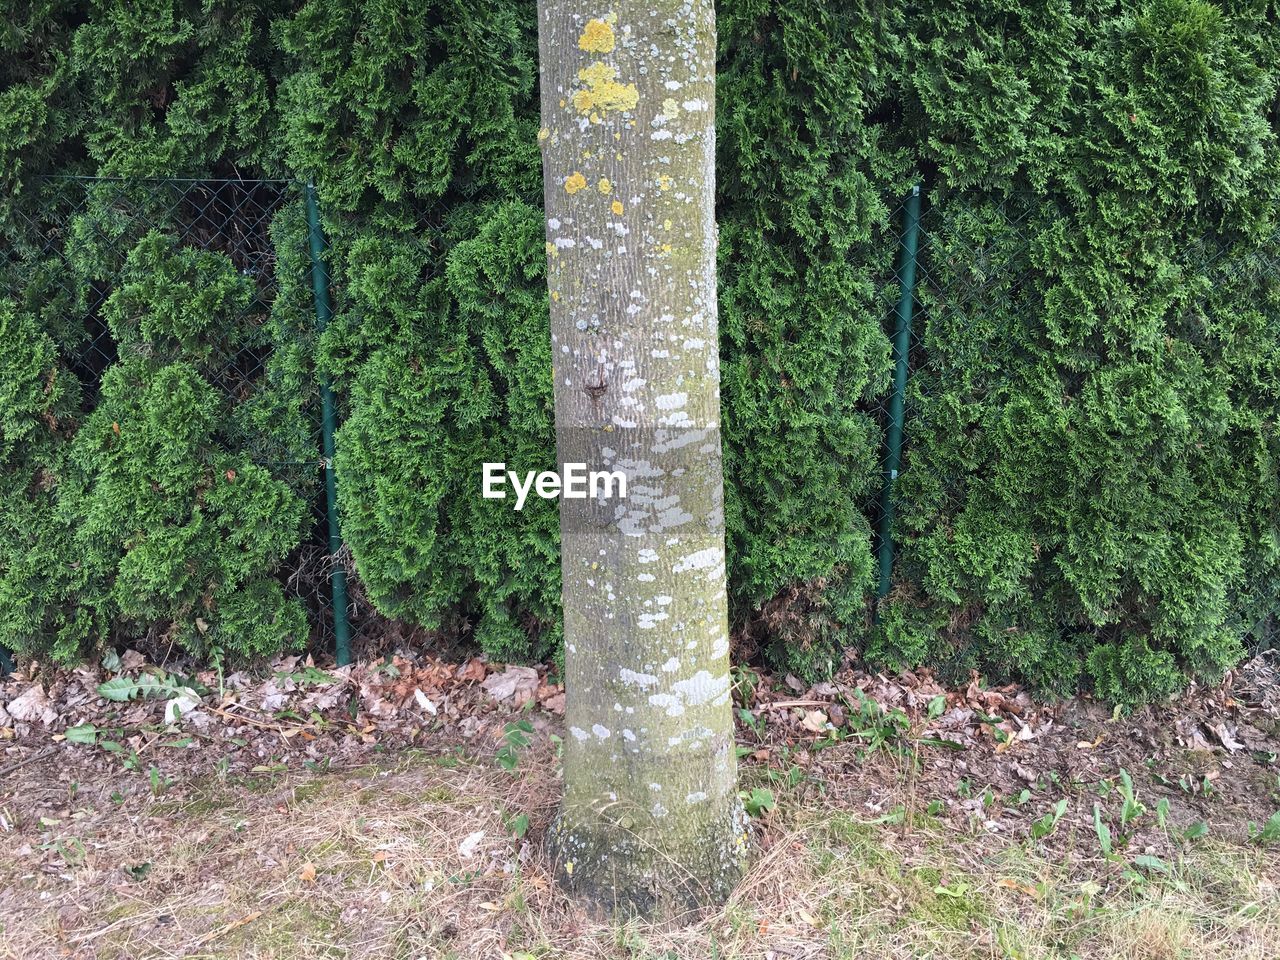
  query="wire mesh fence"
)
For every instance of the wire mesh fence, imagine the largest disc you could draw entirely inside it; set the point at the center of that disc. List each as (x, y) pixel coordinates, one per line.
(212, 275)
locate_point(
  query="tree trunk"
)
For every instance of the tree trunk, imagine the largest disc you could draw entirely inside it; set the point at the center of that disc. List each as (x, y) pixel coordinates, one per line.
(651, 820)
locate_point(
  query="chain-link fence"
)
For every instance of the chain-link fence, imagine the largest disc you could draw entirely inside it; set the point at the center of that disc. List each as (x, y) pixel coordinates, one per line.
(214, 276)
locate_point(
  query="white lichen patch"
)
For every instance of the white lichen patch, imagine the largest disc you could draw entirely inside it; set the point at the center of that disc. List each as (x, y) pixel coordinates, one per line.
(701, 687)
(669, 702)
(704, 559)
(633, 678)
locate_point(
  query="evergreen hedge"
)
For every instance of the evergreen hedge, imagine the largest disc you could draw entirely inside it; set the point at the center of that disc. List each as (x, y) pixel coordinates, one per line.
(1090, 487)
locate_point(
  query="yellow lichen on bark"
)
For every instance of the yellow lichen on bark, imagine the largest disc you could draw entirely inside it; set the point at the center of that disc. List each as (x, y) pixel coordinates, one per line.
(616, 207)
(597, 37)
(605, 186)
(603, 92)
(574, 182)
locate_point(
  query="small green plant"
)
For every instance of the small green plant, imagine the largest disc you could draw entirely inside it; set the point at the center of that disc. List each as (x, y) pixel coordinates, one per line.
(1102, 830)
(1131, 808)
(154, 684)
(745, 683)
(128, 757)
(759, 802)
(881, 729)
(1049, 822)
(515, 737)
(1196, 831)
(1151, 864)
(754, 723)
(306, 677)
(86, 733)
(138, 871)
(1268, 834)
(159, 782)
(790, 776)
(71, 850)
(517, 825)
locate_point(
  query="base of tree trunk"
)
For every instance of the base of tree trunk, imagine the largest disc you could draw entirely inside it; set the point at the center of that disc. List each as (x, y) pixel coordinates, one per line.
(622, 865)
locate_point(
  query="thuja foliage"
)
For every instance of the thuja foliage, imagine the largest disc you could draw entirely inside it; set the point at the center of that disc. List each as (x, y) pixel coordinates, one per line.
(1092, 485)
(143, 517)
(807, 187)
(460, 376)
(1089, 493)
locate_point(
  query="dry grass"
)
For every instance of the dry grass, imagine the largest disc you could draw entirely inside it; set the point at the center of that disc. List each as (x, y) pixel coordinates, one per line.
(374, 863)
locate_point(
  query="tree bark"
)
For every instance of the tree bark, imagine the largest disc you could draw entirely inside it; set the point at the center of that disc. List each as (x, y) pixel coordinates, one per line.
(651, 821)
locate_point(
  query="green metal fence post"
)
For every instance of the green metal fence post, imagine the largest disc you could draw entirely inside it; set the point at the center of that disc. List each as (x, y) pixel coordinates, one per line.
(901, 348)
(324, 311)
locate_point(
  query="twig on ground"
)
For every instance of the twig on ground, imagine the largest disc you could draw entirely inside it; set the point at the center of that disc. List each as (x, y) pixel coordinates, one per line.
(786, 704)
(227, 928)
(38, 755)
(131, 921)
(260, 724)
